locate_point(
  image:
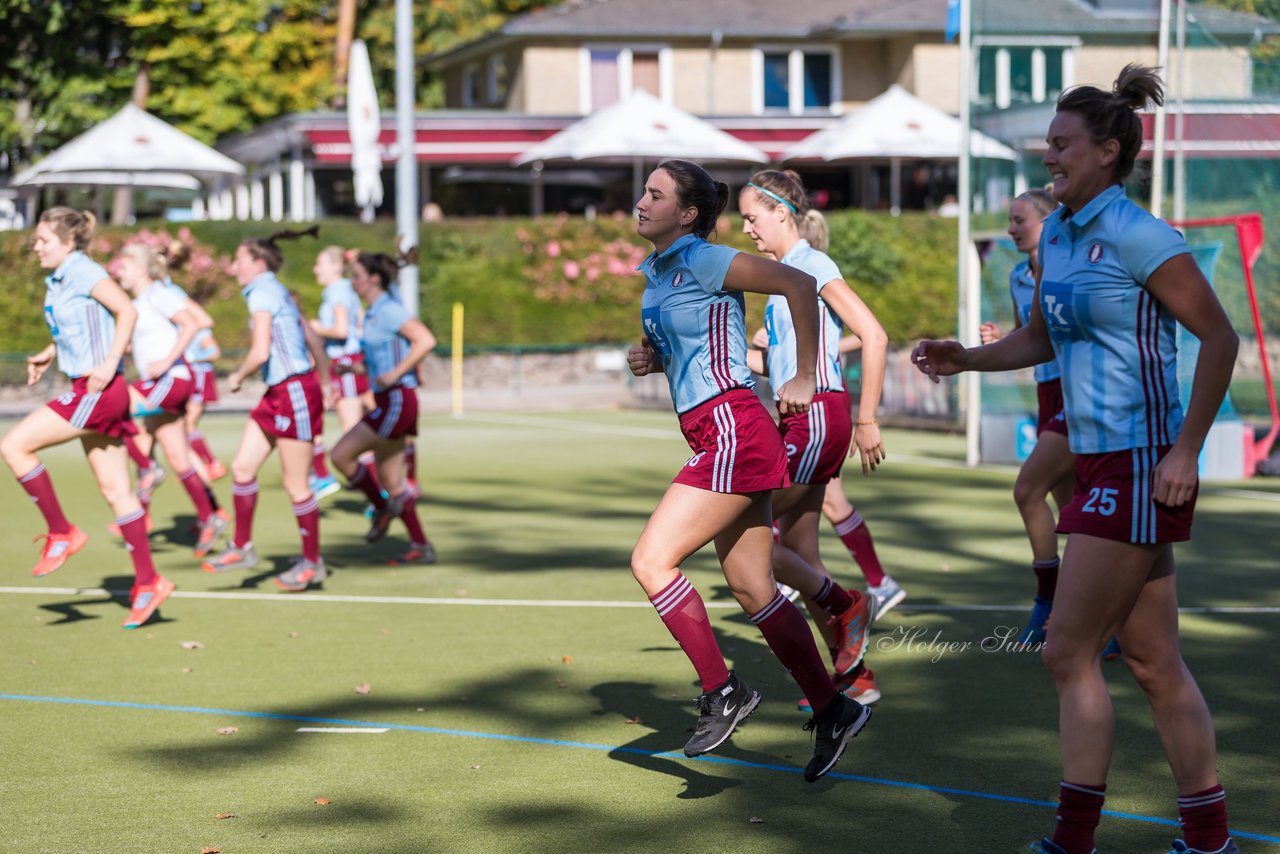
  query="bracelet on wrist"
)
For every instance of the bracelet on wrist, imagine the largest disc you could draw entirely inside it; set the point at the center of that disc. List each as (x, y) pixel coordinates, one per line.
(861, 423)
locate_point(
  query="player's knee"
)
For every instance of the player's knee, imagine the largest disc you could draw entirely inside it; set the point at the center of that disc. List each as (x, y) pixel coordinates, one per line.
(1152, 676)
(1027, 494)
(11, 448)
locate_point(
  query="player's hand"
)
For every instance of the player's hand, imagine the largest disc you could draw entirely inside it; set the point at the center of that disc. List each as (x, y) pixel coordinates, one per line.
(330, 395)
(157, 369)
(796, 394)
(386, 380)
(642, 360)
(989, 332)
(761, 339)
(939, 358)
(1175, 478)
(101, 375)
(234, 381)
(866, 438)
(37, 365)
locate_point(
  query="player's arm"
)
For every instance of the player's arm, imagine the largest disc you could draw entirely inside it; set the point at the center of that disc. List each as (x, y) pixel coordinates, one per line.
(38, 363)
(116, 301)
(188, 326)
(421, 342)
(259, 350)
(340, 330)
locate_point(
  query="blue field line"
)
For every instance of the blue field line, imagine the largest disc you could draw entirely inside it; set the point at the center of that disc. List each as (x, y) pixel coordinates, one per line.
(608, 748)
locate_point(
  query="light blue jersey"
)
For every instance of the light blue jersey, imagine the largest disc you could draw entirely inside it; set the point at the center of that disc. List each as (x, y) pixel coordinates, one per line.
(288, 354)
(82, 327)
(341, 293)
(1115, 342)
(384, 346)
(782, 332)
(201, 349)
(1022, 287)
(697, 328)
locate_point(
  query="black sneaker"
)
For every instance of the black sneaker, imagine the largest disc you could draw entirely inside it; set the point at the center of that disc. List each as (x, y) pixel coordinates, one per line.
(719, 711)
(838, 723)
(382, 520)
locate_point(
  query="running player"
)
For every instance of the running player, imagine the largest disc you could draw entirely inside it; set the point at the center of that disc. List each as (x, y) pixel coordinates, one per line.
(164, 329)
(288, 417)
(1048, 469)
(339, 324)
(775, 209)
(91, 320)
(394, 343)
(692, 313)
(1114, 282)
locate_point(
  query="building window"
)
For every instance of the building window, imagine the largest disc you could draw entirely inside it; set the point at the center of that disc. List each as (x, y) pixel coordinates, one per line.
(1011, 75)
(796, 80)
(472, 86)
(613, 73)
(499, 81)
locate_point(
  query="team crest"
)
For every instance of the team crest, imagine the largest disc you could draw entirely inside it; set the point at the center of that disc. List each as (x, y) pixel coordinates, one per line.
(1095, 253)
(677, 280)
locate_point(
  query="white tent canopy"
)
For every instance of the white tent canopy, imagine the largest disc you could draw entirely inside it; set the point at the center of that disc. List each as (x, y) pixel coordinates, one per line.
(131, 149)
(641, 128)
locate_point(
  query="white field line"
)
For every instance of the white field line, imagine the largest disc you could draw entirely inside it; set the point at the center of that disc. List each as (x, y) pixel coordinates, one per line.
(362, 730)
(323, 598)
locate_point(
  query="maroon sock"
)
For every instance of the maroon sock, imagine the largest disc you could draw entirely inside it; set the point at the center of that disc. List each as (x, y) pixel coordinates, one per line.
(833, 598)
(244, 497)
(318, 464)
(1079, 810)
(201, 447)
(141, 460)
(788, 635)
(38, 485)
(366, 482)
(411, 461)
(1204, 819)
(133, 528)
(685, 616)
(857, 539)
(308, 513)
(1046, 578)
(195, 487)
(408, 501)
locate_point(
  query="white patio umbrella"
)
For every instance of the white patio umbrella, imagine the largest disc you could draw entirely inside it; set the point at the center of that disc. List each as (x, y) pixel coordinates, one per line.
(895, 125)
(640, 128)
(131, 149)
(364, 126)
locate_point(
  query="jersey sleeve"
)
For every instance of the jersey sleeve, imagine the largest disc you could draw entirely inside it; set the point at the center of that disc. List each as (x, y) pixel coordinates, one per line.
(87, 275)
(168, 301)
(259, 300)
(1148, 243)
(394, 315)
(823, 270)
(710, 264)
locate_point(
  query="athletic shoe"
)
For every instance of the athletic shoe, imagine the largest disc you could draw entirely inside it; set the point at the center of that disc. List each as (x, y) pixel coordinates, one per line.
(149, 481)
(719, 712)
(1036, 623)
(232, 558)
(851, 633)
(416, 556)
(302, 575)
(1112, 650)
(859, 685)
(209, 533)
(146, 598)
(370, 510)
(886, 596)
(1229, 847)
(57, 548)
(1047, 846)
(113, 528)
(323, 487)
(832, 730)
(792, 594)
(382, 520)
(216, 470)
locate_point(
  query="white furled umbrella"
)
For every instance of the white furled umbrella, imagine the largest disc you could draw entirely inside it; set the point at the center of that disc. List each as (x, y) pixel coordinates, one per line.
(131, 149)
(895, 125)
(364, 126)
(639, 128)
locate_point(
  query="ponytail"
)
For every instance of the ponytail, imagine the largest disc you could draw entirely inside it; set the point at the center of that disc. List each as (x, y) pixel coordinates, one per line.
(71, 226)
(264, 249)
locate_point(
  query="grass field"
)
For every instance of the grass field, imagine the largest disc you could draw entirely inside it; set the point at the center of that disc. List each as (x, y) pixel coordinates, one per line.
(533, 702)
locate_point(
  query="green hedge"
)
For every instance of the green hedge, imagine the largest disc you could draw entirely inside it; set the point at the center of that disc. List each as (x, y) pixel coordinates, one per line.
(524, 282)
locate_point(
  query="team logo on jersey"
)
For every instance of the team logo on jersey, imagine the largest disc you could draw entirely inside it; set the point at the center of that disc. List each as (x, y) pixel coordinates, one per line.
(791, 450)
(1055, 305)
(1095, 253)
(48, 318)
(652, 319)
(282, 424)
(678, 279)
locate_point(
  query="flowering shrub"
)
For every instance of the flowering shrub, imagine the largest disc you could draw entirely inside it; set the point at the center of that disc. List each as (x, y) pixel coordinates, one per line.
(575, 261)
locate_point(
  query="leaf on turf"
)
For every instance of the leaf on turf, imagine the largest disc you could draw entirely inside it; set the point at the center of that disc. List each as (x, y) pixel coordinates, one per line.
(186, 670)
(475, 767)
(324, 802)
(211, 849)
(420, 709)
(566, 660)
(635, 720)
(560, 683)
(223, 815)
(293, 635)
(755, 819)
(226, 730)
(364, 688)
(192, 645)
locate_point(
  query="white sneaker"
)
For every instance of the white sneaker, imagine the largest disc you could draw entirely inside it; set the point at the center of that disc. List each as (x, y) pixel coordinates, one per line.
(885, 596)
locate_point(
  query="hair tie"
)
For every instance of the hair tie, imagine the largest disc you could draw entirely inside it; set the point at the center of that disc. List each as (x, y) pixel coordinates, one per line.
(774, 196)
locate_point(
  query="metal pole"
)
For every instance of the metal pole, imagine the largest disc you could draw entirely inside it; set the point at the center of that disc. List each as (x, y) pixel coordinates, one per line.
(1158, 147)
(407, 158)
(970, 295)
(1180, 121)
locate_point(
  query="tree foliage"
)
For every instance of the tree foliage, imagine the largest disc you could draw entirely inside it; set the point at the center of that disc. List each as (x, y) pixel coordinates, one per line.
(215, 67)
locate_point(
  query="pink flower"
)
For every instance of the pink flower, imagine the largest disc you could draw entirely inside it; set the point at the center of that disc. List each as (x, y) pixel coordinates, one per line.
(553, 249)
(102, 246)
(522, 235)
(593, 273)
(185, 235)
(572, 270)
